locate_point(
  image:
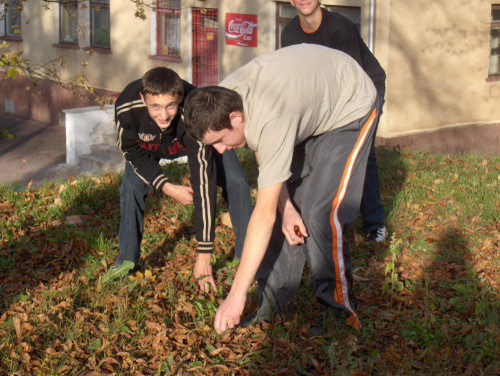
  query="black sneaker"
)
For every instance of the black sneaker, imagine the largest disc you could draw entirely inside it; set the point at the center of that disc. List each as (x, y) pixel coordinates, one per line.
(378, 235)
(329, 318)
(253, 318)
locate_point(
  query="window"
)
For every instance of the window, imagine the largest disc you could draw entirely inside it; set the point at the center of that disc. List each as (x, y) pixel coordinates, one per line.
(353, 13)
(99, 23)
(494, 71)
(11, 19)
(68, 22)
(205, 26)
(168, 28)
(285, 12)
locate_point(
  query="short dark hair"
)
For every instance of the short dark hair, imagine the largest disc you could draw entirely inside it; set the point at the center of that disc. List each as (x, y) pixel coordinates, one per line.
(161, 81)
(208, 109)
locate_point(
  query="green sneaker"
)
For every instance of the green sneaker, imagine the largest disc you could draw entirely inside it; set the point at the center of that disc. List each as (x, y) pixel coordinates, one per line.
(119, 271)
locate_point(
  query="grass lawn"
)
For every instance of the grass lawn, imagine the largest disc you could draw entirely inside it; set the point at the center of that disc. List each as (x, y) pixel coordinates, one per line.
(429, 295)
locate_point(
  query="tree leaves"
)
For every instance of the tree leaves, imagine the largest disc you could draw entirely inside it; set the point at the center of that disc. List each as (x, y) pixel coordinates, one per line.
(12, 73)
(17, 64)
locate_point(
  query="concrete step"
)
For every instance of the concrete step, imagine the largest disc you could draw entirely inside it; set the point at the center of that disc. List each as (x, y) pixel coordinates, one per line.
(99, 164)
(65, 169)
(105, 151)
(109, 139)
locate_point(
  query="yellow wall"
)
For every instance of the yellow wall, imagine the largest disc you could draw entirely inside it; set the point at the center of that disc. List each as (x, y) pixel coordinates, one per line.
(232, 57)
(438, 55)
(435, 54)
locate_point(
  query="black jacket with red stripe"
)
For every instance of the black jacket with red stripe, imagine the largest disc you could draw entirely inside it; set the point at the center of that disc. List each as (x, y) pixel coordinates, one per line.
(143, 144)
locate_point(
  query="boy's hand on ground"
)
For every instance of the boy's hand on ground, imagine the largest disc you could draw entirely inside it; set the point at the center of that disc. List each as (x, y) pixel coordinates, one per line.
(293, 227)
(203, 267)
(181, 193)
(229, 313)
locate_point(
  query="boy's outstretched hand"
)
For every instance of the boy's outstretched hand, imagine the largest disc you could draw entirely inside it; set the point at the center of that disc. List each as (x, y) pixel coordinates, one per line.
(229, 313)
(203, 267)
(181, 193)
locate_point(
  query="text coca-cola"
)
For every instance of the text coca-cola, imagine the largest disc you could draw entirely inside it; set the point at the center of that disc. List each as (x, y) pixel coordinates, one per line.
(240, 29)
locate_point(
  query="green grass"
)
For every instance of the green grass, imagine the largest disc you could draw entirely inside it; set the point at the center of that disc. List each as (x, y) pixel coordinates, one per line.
(5, 134)
(429, 296)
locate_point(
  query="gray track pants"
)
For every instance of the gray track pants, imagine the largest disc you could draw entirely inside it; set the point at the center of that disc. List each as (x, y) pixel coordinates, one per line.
(326, 187)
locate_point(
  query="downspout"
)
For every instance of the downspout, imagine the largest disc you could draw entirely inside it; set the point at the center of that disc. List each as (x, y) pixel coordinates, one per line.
(371, 23)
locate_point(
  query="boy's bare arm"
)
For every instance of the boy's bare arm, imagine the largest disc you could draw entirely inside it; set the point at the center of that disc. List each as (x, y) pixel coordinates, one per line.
(257, 239)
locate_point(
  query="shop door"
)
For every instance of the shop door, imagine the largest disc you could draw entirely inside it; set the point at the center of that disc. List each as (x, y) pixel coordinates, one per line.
(205, 47)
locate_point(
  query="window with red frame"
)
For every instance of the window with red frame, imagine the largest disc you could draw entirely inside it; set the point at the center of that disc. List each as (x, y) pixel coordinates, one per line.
(168, 28)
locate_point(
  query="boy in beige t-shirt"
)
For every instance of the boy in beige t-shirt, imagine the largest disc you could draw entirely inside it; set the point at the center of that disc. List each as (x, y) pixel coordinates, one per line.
(308, 112)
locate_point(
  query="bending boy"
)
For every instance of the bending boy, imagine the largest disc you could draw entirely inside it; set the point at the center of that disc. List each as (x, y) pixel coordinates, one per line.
(149, 119)
(308, 111)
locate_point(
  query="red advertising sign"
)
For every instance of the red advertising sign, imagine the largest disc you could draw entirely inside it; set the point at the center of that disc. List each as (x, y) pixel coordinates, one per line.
(241, 29)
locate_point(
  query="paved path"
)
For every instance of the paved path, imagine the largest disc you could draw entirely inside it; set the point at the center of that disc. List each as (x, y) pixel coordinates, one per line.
(34, 154)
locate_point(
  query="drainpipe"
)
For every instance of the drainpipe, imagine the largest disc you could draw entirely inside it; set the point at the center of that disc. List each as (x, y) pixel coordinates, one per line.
(371, 23)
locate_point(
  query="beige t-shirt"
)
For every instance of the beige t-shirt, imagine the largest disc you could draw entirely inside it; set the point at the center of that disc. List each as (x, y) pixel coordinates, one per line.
(294, 93)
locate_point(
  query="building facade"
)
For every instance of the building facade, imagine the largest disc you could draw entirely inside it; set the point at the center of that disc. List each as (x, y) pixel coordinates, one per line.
(441, 58)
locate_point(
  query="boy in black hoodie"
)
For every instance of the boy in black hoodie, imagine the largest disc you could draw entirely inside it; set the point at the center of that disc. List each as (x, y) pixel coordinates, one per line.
(149, 120)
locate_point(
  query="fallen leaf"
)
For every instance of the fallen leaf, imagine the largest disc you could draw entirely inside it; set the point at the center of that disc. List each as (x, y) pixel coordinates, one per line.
(359, 278)
(149, 275)
(219, 350)
(226, 220)
(17, 326)
(74, 220)
(388, 315)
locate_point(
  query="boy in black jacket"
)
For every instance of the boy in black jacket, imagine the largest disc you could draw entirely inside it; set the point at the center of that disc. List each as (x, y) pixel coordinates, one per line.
(316, 25)
(149, 119)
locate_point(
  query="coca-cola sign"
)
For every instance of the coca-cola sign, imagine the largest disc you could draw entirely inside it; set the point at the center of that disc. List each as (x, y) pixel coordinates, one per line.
(241, 29)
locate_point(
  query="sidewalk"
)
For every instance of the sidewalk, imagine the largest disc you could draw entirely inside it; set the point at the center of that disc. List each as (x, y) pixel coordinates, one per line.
(34, 154)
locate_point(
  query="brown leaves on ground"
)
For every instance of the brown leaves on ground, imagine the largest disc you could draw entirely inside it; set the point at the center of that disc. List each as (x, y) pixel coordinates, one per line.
(59, 320)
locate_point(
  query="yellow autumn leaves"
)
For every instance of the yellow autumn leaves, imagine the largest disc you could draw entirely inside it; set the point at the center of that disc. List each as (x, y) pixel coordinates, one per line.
(138, 276)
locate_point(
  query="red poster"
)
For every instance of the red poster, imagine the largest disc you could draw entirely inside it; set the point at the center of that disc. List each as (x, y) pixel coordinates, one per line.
(241, 29)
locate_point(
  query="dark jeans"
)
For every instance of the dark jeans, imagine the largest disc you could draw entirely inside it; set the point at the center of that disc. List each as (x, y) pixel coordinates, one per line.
(236, 191)
(133, 193)
(371, 209)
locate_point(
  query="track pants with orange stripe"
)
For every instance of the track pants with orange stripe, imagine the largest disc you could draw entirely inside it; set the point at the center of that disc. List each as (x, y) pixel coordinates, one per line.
(328, 173)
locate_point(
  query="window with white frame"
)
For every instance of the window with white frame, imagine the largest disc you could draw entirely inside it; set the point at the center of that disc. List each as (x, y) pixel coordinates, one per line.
(285, 12)
(10, 15)
(284, 15)
(353, 13)
(99, 24)
(494, 69)
(168, 28)
(68, 22)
